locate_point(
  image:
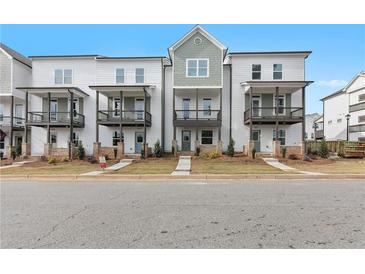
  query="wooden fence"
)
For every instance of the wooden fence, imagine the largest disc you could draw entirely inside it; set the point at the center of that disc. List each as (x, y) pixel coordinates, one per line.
(342, 148)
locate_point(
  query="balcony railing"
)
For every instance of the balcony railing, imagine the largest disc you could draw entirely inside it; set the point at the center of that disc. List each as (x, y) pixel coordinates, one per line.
(56, 118)
(125, 116)
(197, 117)
(5, 121)
(357, 128)
(357, 107)
(268, 114)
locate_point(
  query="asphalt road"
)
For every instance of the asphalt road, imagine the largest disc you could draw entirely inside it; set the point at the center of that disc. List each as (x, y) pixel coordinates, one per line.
(250, 214)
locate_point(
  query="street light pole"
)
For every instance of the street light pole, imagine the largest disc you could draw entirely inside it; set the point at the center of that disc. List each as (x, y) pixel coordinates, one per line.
(347, 128)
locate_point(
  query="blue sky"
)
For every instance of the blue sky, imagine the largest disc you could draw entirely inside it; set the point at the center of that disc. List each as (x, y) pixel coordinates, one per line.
(338, 50)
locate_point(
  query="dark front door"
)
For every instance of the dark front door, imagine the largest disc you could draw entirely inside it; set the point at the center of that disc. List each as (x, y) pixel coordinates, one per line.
(186, 140)
(256, 139)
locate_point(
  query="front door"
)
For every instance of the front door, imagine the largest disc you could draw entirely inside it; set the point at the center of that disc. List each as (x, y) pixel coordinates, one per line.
(18, 114)
(186, 140)
(139, 107)
(139, 142)
(186, 108)
(54, 109)
(256, 136)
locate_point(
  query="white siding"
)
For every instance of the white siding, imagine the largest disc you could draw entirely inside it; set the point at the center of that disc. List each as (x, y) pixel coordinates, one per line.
(335, 108)
(5, 73)
(22, 77)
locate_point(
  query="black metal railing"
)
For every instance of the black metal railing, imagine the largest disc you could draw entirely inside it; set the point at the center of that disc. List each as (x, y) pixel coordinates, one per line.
(126, 116)
(6, 121)
(198, 115)
(269, 113)
(58, 117)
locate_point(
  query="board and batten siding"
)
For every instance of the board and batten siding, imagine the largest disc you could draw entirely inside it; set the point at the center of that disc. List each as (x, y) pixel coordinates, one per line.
(204, 50)
(5, 73)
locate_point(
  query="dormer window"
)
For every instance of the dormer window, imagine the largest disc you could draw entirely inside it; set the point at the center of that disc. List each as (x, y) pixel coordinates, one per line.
(197, 67)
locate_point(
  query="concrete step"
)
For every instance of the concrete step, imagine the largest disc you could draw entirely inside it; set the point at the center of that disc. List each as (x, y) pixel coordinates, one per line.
(132, 156)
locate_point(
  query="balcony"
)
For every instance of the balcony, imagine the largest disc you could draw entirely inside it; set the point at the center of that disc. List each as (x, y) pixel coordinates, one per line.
(267, 115)
(131, 118)
(57, 119)
(200, 118)
(18, 122)
(357, 128)
(357, 107)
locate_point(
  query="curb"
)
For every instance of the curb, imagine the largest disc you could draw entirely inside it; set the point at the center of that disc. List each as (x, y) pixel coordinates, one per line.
(168, 177)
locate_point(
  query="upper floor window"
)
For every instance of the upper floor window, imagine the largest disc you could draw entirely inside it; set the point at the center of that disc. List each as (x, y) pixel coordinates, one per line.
(362, 97)
(119, 76)
(278, 71)
(197, 67)
(63, 76)
(339, 120)
(139, 75)
(329, 122)
(256, 72)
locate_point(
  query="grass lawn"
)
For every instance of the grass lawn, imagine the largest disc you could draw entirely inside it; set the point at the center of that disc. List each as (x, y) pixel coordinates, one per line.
(228, 165)
(343, 166)
(43, 168)
(150, 166)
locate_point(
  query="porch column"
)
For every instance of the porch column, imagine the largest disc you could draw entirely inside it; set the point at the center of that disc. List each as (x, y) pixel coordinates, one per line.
(196, 115)
(97, 116)
(121, 115)
(144, 125)
(11, 122)
(303, 119)
(26, 118)
(250, 98)
(49, 119)
(173, 112)
(276, 113)
(220, 115)
(70, 150)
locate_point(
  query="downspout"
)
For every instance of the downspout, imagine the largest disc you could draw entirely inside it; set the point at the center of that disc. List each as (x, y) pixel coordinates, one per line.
(230, 102)
(163, 70)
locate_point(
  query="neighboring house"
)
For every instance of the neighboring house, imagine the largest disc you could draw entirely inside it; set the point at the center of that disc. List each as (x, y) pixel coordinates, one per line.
(346, 103)
(310, 125)
(15, 70)
(198, 97)
(318, 129)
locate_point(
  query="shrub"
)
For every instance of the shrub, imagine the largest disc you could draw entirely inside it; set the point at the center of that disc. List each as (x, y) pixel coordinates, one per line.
(293, 157)
(213, 155)
(18, 150)
(157, 152)
(80, 151)
(197, 151)
(323, 149)
(283, 152)
(142, 153)
(52, 160)
(253, 152)
(64, 159)
(230, 150)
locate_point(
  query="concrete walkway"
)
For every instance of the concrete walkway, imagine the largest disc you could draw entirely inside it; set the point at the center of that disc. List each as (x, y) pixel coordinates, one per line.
(183, 166)
(123, 163)
(275, 163)
(16, 164)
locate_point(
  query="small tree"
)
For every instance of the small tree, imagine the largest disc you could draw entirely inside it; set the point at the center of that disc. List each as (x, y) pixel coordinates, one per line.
(253, 153)
(80, 152)
(230, 149)
(157, 149)
(323, 149)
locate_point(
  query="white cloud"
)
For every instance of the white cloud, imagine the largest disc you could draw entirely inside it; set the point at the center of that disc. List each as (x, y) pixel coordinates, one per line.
(332, 83)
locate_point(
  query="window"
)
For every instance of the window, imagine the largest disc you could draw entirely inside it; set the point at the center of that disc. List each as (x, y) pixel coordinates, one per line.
(278, 71)
(186, 108)
(75, 106)
(76, 138)
(339, 120)
(329, 122)
(116, 138)
(63, 76)
(256, 72)
(361, 119)
(54, 138)
(281, 104)
(119, 76)
(197, 67)
(362, 97)
(139, 75)
(207, 137)
(116, 107)
(281, 136)
(1, 112)
(207, 106)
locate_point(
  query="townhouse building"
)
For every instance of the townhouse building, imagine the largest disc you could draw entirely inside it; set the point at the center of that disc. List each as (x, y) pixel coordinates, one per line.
(198, 97)
(344, 112)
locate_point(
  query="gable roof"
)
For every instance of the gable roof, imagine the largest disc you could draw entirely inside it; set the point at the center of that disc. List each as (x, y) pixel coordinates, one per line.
(361, 74)
(336, 93)
(305, 53)
(193, 31)
(16, 55)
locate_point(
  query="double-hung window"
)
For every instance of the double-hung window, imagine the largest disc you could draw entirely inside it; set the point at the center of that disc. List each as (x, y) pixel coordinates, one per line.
(281, 136)
(277, 71)
(119, 76)
(116, 107)
(116, 137)
(256, 72)
(139, 75)
(197, 67)
(207, 137)
(63, 76)
(281, 104)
